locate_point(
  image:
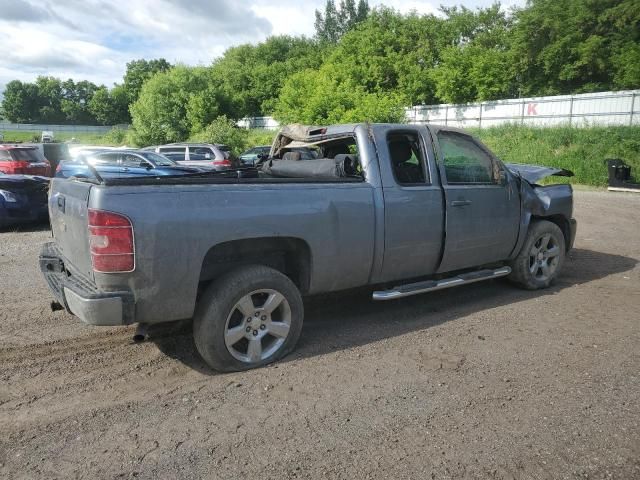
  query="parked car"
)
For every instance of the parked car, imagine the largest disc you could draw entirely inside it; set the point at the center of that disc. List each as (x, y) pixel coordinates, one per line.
(19, 159)
(23, 198)
(410, 209)
(122, 163)
(207, 156)
(251, 156)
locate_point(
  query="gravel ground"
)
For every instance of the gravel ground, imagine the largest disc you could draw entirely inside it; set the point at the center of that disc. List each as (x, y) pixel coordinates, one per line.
(483, 381)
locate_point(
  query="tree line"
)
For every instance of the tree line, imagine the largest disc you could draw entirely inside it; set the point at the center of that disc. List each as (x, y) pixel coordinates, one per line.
(362, 64)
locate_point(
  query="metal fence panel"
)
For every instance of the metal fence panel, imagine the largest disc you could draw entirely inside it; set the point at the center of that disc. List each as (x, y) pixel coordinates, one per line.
(581, 110)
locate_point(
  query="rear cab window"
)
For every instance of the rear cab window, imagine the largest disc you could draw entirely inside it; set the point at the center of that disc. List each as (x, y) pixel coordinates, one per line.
(408, 160)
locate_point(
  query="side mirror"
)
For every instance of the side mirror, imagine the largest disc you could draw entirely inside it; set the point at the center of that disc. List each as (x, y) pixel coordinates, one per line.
(502, 177)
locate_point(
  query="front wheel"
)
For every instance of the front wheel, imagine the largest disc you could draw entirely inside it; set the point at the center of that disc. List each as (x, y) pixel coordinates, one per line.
(541, 257)
(247, 318)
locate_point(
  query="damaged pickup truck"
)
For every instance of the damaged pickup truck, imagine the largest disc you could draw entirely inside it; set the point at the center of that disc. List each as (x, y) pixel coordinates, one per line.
(403, 209)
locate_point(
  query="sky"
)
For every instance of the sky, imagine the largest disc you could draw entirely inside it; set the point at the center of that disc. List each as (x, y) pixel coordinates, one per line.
(94, 39)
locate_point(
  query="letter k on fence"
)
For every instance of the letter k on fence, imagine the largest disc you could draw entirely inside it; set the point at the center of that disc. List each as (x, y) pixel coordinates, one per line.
(531, 109)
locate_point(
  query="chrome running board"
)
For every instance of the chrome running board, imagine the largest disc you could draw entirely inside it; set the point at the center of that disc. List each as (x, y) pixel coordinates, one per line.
(432, 285)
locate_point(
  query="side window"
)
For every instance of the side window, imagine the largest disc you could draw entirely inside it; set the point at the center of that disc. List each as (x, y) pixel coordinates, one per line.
(132, 161)
(464, 160)
(200, 153)
(174, 153)
(407, 158)
(105, 159)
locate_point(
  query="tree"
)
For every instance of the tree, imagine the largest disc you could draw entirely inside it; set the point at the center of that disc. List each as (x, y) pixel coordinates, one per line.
(110, 107)
(334, 23)
(75, 100)
(174, 104)
(138, 72)
(318, 97)
(476, 60)
(250, 76)
(576, 45)
(223, 130)
(20, 103)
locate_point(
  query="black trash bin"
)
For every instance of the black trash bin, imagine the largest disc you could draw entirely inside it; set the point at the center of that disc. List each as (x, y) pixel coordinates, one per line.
(619, 172)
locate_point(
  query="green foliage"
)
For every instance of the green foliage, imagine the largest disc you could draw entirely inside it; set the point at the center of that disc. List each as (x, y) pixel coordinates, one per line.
(116, 136)
(581, 150)
(138, 72)
(361, 65)
(250, 76)
(110, 107)
(577, 46)
(317, 97)
(49, 100)
(20, 103)
(257, 137)
(172, 105)
(223, 130)
(334, 22)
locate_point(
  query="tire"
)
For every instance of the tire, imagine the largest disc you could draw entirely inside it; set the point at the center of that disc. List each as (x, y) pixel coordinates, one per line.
(541, 256)
(235, 314)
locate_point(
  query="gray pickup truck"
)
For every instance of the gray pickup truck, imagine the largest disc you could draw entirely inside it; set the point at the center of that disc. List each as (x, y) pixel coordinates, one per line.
(403, 209)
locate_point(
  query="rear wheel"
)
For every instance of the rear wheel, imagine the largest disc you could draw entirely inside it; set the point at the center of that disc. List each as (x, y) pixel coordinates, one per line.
(250, 317)
(541, 257)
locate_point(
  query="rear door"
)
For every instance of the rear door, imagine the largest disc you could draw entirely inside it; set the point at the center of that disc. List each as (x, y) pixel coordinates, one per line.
(482, 201)
(413, 202)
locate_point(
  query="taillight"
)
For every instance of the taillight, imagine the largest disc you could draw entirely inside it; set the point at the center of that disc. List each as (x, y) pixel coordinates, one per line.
(222, 163)
(111, 242)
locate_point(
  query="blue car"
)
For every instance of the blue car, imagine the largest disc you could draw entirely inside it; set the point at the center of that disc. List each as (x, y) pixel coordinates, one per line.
(23, 198)
(122, 163)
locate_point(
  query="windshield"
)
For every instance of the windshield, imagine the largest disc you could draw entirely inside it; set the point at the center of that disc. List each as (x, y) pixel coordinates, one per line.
(31, 155)
(158, 160)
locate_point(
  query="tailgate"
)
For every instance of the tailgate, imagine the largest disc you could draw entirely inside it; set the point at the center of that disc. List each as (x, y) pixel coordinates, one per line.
(68, 208)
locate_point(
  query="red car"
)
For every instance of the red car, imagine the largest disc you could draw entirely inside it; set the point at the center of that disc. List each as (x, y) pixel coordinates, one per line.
(23, 160)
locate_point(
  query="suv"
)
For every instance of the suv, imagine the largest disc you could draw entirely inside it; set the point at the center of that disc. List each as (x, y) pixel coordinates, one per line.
(26, 160)
(209, 156)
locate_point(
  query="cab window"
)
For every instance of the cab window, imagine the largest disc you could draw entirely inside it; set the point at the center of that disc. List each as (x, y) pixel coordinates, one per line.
(465, 161)
(407, 158)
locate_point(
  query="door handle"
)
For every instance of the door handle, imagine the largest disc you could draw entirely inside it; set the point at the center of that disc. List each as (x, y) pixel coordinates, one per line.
(460, 203)
(61, 203)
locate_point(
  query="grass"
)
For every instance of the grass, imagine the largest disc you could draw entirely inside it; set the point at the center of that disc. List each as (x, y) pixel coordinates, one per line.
(30, 136)
(581, 150)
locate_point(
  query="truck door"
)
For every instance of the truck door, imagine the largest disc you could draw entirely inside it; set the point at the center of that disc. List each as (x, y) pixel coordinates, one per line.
(413, 202)
(482, 201)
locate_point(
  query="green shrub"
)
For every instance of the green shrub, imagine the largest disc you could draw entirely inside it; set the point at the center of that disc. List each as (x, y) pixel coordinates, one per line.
(116, 136)
(223, 130)
(581, 150)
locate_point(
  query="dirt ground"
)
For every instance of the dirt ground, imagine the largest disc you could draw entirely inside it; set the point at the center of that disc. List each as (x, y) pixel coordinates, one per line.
(483, 381)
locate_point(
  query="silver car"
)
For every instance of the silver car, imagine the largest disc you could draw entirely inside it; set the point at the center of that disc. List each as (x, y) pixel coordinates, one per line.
(208, 156)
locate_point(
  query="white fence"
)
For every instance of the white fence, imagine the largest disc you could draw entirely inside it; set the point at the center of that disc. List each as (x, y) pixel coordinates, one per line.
(603, 108)
(266, 123)
(34, 127)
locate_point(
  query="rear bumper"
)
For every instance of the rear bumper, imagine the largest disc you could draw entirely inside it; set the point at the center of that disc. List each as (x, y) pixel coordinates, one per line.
(80, 296)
